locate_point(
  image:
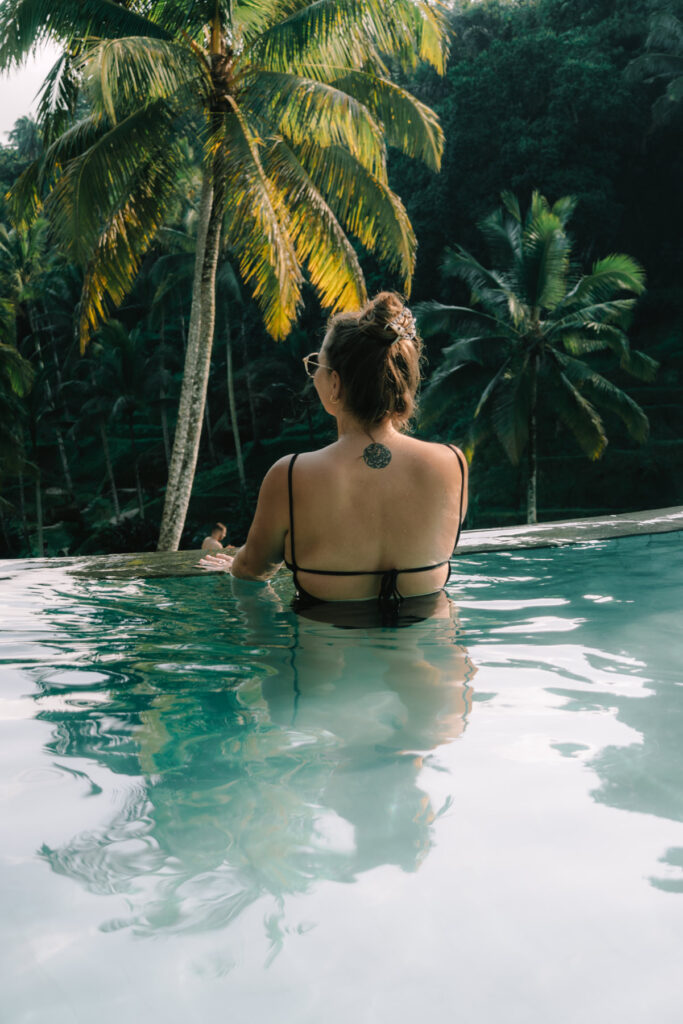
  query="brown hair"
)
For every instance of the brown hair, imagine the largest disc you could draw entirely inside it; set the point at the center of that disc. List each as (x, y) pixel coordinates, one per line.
(377, 353)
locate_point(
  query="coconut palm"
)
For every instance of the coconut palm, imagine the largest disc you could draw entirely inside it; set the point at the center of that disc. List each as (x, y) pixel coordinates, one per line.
(533, 318)
(26, 139)
(292, 104)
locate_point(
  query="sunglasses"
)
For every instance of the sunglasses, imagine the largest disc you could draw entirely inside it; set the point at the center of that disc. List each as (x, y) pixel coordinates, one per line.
(311, 360)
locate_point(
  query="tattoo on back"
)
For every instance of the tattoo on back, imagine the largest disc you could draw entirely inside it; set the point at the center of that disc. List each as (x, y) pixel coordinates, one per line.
(376, 456)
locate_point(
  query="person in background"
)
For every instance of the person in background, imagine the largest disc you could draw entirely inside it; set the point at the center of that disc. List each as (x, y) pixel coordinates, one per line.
(217, 535)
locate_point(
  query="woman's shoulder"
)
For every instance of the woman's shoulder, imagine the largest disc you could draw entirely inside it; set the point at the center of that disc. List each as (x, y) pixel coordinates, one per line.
(277, 477)
(438, 450)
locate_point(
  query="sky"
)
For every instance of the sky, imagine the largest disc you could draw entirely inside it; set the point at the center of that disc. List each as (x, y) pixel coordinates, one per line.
(18, 89)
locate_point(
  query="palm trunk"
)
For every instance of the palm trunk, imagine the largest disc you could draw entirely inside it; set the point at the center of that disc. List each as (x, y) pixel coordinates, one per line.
(197, 364)
(24, 517)
(209, 434)
(162, 396)
(532, 449)
(66, 469)
(110, 472)
(5, 534)
(250, 391)
(39, 517)
(164, 429)
(134, 456)
(233, 408)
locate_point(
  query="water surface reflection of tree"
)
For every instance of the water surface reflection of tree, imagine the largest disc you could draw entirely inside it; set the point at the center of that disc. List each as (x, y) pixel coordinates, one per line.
(265, 767)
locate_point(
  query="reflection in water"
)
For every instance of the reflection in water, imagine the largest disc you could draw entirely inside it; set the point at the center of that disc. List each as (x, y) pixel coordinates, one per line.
(623, 598)
(260, 767)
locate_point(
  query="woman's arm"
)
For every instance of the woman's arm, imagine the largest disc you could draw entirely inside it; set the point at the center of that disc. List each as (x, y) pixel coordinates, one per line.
(261, 555)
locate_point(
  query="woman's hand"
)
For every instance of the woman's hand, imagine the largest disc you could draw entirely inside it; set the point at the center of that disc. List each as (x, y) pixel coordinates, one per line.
(220, 563)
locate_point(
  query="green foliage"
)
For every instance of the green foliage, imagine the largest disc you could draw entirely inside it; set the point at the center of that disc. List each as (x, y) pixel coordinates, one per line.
(539, 95)
(291, 106)
(532, 317)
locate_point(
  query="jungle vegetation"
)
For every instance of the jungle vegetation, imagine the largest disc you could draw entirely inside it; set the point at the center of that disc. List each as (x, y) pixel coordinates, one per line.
(99, 333)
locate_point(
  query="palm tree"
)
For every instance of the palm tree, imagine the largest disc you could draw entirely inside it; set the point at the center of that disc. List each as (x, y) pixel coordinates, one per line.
(24, 270)
(25, 137)
(532, 321)
(229, 290)
(16, 378)
(120, 378)
(293, 106)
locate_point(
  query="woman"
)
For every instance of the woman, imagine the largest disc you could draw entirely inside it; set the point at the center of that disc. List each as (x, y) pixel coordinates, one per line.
(376, 514)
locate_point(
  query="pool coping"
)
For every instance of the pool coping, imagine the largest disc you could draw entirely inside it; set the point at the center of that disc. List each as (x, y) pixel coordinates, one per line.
(572, 531)
(472, 542)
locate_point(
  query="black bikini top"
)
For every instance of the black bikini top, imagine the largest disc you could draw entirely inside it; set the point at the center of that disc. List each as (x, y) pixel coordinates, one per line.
(389, 593)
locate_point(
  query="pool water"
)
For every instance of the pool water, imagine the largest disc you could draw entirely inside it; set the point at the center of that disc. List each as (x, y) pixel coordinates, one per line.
(215, 810)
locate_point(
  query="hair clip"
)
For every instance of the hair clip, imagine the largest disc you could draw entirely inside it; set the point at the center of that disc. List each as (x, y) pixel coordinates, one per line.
(403, 326)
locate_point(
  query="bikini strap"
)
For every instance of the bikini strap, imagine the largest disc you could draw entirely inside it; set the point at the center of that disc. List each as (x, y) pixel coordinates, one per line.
(462, 491)
(291, 514)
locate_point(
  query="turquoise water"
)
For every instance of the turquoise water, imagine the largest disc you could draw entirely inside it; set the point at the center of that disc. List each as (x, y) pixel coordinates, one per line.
(214, 810)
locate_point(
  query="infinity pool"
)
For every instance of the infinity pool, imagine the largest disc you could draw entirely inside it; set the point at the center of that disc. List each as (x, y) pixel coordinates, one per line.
(213, 810)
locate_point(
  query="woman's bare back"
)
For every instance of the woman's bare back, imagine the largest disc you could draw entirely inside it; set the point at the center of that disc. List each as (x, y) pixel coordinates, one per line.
(351, 517)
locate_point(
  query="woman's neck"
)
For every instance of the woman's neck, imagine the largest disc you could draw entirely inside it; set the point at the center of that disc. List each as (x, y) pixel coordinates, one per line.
(350, 429)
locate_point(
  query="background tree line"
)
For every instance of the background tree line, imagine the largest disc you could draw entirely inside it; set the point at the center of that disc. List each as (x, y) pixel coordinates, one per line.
(565, 98)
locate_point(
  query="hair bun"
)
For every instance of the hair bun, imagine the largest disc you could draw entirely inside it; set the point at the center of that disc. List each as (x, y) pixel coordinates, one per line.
(388, 320)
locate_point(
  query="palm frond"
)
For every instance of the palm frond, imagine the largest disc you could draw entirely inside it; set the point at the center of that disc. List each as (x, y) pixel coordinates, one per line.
(666, 108)
(250, 18)
(301, 108)
(654, 65)
(123, 239)
(24, 200)
(258, 233)
(608, 396)
(511, 204)
(354, 33)
(486, 350)
(434, 318)
(640, 365)
(615, 312)
(511, 405)
(26, 24)
(408, 125)
(503, 233)
(483, 353)
(595, 336)
(577, 344)
(318, 238)
(666, 32)
(16, 370)
(489, 287)
(441, 392)
(58, 97)
(98, 180)
(364, 205)
(133, 72)
(546, 249)
(576, 412)
(611, 274)
(25, 196)
(483, 405)
(563, 208)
